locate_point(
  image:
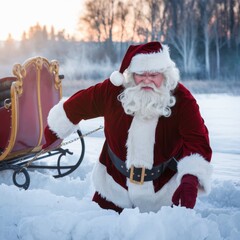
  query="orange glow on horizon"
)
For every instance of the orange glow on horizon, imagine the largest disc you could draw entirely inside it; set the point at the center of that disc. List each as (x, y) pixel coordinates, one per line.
(16, 17)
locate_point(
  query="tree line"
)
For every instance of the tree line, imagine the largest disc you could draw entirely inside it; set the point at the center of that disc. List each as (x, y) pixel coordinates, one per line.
(203, 35)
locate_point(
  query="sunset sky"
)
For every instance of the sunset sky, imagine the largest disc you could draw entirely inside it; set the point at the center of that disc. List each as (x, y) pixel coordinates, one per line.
(16, 16)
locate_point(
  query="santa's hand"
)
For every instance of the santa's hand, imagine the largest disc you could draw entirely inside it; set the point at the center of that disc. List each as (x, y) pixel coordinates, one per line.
(52, 141)
(186, 193)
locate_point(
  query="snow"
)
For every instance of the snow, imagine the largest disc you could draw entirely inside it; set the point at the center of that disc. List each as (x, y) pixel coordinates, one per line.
(61, 208)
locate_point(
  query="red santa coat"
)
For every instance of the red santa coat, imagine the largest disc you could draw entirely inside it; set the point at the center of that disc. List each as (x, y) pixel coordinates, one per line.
(141, 143)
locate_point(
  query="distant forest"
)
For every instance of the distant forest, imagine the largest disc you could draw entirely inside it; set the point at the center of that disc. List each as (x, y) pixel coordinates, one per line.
(203, 36)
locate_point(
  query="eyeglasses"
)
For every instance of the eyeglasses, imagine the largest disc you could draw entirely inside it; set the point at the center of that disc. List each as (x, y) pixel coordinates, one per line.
(148, 75)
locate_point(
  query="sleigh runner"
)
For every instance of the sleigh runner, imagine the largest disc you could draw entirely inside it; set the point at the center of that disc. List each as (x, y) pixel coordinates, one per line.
(25, 101)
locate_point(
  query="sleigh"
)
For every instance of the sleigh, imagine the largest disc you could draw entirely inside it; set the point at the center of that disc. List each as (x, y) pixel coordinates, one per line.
(25, 101)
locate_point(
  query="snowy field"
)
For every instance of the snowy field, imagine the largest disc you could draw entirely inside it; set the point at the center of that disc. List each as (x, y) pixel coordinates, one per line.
(62, 209)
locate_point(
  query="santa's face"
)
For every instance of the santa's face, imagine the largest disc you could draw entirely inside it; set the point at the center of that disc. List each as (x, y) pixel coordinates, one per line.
(147, 79)
(147, 96)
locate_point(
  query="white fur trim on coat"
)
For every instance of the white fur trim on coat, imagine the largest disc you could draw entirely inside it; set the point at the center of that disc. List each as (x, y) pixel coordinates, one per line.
(106, 186)
(159, 61)
(142, 196)
(196, 165)
(59, 123)
(140, 142)
(147, 200)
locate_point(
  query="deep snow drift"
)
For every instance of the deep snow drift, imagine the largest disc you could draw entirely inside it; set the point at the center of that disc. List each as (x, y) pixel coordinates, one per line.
(62, 208)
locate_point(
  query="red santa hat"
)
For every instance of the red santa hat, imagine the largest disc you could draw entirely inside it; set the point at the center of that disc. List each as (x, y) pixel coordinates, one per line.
(151, 56)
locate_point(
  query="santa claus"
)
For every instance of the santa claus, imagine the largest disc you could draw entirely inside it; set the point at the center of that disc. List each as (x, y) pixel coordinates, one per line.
(156, 151)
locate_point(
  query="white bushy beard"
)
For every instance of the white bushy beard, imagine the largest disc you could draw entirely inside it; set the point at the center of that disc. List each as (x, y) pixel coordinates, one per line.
(147, 104)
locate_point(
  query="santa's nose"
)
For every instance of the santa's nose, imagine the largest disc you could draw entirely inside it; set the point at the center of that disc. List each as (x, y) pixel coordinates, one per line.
(146, 80)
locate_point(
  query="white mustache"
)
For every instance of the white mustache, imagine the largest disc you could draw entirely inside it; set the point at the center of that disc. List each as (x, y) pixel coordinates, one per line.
(151, 85)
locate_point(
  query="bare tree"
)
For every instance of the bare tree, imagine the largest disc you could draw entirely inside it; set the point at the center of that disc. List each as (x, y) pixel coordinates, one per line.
(148, 19)
(237, 28)
(155, 18)
(121, 15)
(218, 42)
(136, 11)
(220, 32)
(108, 17)
(184, 39)
(99, 19)
(206, 8)
(92, 19)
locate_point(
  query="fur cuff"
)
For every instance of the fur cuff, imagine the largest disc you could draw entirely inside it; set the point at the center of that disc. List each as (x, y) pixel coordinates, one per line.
(59, 123)
(108, 188)
(196, 165)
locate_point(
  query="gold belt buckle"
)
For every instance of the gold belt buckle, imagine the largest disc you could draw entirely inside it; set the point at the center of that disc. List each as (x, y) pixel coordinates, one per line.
(142, 176)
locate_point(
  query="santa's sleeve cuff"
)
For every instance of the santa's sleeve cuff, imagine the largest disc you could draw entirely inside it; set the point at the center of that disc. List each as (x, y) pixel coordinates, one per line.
(59, 123)
(196, 165)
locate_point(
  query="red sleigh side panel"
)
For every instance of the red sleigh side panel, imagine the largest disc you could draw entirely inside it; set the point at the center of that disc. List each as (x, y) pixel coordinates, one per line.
(36, 90)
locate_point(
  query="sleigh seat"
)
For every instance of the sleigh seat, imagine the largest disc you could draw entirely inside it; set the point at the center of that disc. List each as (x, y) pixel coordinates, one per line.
(25, 101)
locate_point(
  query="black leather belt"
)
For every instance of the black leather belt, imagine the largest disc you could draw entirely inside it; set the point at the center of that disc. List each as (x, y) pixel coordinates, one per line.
(140, 175)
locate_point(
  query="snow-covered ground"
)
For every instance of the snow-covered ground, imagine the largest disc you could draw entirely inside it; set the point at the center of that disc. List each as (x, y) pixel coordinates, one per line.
(62, 209)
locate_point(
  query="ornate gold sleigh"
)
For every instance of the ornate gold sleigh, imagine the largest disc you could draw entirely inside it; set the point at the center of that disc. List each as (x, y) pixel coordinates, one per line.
(25, 101)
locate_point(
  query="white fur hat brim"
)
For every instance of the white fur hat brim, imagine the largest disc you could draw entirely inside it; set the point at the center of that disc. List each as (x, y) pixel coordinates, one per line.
(157, 62)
